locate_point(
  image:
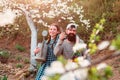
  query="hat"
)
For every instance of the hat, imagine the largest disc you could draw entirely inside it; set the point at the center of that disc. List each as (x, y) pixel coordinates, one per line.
(72, 25)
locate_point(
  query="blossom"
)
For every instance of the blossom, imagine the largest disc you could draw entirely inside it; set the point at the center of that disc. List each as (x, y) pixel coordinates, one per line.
(79, 47)
(68, 76)
(56, 67)
(83, 62)
(71, 65)
(81, 74)
(7, 17)
(112, 47)
(44, 78)
(103, 45)
(101, 66)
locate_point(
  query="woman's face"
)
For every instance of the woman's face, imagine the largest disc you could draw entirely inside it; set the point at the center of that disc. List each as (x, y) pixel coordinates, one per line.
(53, 31)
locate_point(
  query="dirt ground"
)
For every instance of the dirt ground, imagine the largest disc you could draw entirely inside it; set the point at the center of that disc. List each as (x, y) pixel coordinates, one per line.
(18, 61)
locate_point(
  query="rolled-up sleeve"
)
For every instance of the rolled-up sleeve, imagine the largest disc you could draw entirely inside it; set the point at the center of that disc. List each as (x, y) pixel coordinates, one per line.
(58, 48)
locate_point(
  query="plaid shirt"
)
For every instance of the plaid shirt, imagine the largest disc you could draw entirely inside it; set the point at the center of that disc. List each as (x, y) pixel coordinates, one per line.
(49, 59)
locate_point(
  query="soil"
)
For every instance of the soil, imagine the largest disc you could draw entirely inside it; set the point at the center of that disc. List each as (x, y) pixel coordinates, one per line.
(18, 61)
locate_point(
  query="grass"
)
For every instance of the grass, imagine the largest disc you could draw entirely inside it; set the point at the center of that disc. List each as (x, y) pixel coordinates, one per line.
(20, 47)
(19, 65)
(4, 56)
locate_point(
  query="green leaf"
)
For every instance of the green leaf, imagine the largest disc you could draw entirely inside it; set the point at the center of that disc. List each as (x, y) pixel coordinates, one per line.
(62, 59)
(4, 78)
(108, 71)
(116, 42)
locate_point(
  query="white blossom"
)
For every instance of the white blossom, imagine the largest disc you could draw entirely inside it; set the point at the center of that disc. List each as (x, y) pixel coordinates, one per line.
(38, 15)
(112, 47)
(33, 16)
(56, 67)
(81, 16)
(92, 41)
(70, 0)
(70, 18)
(81, 74)
(16, 28)
(40, 21)
(79, 46)
(71, 65)
(7, 17)
(44, 78)
(34, 11)
(68, 76)
(97, 32)
(59, 1)
(83, 62)
(34, 20)
(103, 45)
(63, 18)
(101, 66)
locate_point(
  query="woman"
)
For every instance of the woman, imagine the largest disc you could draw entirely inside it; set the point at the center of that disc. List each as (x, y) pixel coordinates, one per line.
(54, 30)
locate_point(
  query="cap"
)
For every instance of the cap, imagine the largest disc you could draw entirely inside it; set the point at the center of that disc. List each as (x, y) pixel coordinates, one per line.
(71, 25)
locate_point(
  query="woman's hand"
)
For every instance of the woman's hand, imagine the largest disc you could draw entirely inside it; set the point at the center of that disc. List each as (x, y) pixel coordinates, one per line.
(37, 50)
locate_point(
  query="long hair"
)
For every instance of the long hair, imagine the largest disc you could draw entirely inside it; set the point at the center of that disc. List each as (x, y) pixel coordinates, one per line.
(58, 29)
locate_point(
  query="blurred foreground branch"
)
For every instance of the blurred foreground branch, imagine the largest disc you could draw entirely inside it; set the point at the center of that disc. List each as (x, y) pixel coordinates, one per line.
(110, 56)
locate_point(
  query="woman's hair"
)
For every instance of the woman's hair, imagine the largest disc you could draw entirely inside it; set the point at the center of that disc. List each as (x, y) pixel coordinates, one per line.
(58, 29)
(56, 25)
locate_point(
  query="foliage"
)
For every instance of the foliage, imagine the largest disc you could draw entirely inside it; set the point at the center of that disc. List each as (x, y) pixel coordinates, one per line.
(12, 30)
(18, 58)
(38, 66)
(92, 12)
(20, 48)
(99, 72)
(44, 12)
(94, 36)
(116, 42)
(55, 77)
(61, 59)
(26, 61)
(3, 78)
(4, 56)
(79, 49)
(110, 9)
(77, 70)
(19, 65)
(105, 74)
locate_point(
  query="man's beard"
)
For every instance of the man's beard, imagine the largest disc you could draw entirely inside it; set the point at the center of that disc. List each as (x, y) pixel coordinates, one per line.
(71, 37)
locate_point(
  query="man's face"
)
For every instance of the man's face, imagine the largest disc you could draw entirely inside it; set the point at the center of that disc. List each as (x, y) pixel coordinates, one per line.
(71, 30)
(71, 34)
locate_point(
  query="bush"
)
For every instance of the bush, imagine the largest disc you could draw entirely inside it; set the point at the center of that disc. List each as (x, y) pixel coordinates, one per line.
(19, 65)
(4, 56)
(20, 48)
(18, 58)
(26, 61)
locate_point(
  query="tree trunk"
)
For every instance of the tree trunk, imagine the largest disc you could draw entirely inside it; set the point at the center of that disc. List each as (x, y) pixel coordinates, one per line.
(33, 40)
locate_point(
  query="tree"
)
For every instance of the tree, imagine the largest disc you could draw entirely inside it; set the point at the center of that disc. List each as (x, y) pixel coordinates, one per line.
(45, 12)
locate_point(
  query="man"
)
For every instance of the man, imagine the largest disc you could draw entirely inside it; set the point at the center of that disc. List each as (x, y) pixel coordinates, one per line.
(66, 42)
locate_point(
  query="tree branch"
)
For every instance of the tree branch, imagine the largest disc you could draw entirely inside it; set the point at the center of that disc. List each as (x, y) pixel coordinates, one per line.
(116, 53)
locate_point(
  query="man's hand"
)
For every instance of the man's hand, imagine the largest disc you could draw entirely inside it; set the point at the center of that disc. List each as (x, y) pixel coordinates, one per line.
(62, 36)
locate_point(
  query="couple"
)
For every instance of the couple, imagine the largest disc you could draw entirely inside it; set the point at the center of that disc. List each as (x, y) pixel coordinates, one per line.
(58, 44)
